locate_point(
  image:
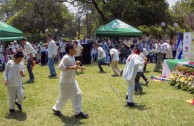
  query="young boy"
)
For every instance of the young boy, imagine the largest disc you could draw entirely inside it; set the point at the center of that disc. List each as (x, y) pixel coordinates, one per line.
(13, 75)
(130, 72)
(69, 88)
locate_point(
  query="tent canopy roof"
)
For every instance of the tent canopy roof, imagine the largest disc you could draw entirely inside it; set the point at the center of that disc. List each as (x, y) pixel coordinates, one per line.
(117, 28)
(9, 33)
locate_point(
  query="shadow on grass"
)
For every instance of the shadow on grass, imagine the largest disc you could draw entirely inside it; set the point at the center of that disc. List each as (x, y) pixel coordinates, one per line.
(70, 121)
(139, 107)
(147, 72)
(17, 115)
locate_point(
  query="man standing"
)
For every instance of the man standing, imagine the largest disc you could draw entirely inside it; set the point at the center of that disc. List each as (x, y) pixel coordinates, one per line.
(30, 53)
(79, 51)
(164, 47)
(114, 53)
(52, 51)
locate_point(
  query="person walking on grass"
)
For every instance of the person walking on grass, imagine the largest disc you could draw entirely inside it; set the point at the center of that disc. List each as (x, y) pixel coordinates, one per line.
(101, 57)
(52, 52)
(114, 53)
(30, 54)
(13, 75)
(130, 72)
(68, 87)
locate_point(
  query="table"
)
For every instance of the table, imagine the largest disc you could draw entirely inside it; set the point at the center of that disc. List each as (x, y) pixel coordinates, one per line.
(170, 64)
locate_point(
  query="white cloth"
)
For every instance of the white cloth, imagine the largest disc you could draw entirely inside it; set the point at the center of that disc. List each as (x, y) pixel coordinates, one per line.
(114, 54)
(52, 49)
(131, 67)
(78, 50)
(29, 49)
(68, 88)
(101, 53)
(12, 73)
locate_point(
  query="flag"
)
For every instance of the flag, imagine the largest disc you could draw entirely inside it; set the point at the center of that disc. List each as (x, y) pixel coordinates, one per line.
(179, 47)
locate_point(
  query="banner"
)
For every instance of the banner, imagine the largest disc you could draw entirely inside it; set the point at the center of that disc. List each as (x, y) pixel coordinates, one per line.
(188, 46)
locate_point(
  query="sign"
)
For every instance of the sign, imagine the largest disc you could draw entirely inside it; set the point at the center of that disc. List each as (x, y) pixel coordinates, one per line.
(188, 46)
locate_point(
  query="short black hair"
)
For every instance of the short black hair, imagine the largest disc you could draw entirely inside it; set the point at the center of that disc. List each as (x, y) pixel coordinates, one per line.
(110, 47)
(68, 46)
(24, 39)
(50, 35)
(19, 54)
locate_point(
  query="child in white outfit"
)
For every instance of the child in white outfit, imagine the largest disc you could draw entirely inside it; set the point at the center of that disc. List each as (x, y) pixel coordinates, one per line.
(13, 75)
(69, 88)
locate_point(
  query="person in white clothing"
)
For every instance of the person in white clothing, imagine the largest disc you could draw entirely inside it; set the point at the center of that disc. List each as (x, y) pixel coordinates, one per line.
(164, 47)
(114, 53)
(30, 54)
(101, 57)
(69, 88)
(13, 75)
(79, 51)
(52, 52)
(130, 71)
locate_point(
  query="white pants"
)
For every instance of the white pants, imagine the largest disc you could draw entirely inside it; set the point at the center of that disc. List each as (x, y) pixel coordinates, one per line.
(69, 91)
(131, 86)
(13, 93)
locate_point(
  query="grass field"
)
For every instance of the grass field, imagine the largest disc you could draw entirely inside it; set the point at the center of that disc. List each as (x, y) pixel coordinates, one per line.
(103, 99)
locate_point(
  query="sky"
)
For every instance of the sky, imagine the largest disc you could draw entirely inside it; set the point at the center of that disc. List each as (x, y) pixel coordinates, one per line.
(172, 2)
(74, 10)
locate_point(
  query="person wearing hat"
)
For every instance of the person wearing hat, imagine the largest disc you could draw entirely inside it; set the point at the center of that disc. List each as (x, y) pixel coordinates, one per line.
(30, 53)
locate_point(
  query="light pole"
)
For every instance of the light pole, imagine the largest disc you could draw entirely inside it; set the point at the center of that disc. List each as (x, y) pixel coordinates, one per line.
(163, 24)
(56, 30)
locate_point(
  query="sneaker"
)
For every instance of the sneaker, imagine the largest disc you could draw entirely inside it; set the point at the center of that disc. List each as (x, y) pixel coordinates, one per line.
(54, 75)
(121, 73)
(19, 106)
(130, 104)
(30, 81)
(11, 110)
(58, 113)
(82, 115)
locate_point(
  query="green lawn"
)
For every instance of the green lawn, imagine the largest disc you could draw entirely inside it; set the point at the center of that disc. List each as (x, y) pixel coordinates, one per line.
(103, 99)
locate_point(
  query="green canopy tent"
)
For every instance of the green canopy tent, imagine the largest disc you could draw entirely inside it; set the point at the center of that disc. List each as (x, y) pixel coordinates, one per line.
(9, 33)
(117, 28)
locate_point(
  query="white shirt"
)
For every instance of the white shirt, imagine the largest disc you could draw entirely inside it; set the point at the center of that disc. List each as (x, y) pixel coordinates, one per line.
(164, 47)
(62, 46)
(12, 73)
(131, 67)
(101, 53)
(67, 76)
(115, 53)
(42, 48)
(52, 49)
(78, 50)
(29, 49)
(145, 52)
(140, 68)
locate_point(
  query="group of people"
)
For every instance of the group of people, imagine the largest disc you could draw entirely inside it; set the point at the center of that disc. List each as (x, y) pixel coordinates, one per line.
(136, 60)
